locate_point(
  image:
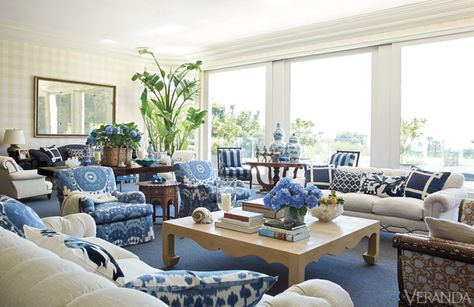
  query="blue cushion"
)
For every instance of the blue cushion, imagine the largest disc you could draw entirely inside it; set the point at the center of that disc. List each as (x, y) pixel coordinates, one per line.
(14, 215)
(421, 183)
(114, 212)
(383, 186)
(194, 172)
(322, 175)
(237, 172)
(221, 288)
(230, 157)
(87, 178)
(52, 152)
(343, 159)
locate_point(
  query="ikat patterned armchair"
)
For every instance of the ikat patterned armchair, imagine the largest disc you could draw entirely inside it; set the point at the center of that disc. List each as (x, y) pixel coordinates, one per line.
(434, 271)
(121, 218)
(198, 187)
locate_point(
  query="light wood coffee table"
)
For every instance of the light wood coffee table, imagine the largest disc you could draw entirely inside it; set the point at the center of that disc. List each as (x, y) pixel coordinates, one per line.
(330, 238)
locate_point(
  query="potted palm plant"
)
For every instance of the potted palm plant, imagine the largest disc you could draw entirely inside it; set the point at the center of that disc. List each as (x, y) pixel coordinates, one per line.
(167, 104)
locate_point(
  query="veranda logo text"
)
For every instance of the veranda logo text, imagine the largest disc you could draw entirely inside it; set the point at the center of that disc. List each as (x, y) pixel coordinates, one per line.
(423, 297)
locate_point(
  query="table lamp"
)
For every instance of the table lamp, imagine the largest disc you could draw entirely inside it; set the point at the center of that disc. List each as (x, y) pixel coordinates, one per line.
(14, 137)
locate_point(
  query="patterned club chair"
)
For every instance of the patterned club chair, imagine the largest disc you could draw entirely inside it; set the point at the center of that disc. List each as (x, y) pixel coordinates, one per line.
(124, 221)
(229, 164)
(345, 158)
(434, 271)
(198, 186)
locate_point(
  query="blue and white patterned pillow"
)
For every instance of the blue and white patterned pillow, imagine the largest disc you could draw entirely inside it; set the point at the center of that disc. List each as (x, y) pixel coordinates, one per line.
(91, 257)
(421, 183)
(322, 175)
(345, 181)
(52, 152)
(14, 215)
(383, 186)
(220, 288)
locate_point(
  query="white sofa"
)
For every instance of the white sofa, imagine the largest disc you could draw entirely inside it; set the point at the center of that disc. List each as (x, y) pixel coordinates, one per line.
(18, 183)
(33, 276)
(401, 214)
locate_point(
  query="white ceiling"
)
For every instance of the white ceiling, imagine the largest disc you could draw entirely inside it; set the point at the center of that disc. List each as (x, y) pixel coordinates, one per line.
(173, 28)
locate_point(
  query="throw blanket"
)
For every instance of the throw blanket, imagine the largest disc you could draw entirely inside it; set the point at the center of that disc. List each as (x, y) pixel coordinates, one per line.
(71, 202)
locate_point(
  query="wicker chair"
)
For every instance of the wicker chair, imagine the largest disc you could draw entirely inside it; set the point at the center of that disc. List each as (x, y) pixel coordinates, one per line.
(436, 272)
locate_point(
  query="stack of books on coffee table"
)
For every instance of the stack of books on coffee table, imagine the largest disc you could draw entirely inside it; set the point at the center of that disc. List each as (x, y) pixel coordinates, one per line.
(243, 221)
(292, 232)
(256, 205)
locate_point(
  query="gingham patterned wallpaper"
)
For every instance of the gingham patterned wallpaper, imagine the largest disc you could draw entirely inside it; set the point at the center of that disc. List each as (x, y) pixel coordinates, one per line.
(19, 62)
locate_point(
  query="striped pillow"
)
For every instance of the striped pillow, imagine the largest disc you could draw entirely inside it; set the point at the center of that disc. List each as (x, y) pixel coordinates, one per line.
(343, 159)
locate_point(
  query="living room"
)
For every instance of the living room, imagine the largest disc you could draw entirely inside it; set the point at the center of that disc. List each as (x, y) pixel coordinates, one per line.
(371, 77)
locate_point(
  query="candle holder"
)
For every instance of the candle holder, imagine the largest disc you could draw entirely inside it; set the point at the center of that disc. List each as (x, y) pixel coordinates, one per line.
(226, 193)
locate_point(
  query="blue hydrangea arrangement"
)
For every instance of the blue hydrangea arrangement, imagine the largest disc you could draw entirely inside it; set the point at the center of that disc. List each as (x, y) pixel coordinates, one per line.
(116, 135)
(288, 193)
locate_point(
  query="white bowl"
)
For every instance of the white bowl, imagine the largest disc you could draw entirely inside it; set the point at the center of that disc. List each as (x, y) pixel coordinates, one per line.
(327, 213)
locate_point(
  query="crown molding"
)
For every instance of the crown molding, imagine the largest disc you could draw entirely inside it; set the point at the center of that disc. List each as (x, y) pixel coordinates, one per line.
(346, 33)
(295, 42)
(76, 44)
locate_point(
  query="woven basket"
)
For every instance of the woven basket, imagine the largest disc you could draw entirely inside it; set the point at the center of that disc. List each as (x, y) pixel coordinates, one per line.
(114, 156)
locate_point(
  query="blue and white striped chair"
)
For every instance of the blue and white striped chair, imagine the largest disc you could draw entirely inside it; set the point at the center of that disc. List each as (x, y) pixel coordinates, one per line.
(229, 164)
(345, 158)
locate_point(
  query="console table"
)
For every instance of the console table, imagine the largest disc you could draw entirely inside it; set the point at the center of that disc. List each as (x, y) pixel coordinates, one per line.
(48, 171)
(275, 166)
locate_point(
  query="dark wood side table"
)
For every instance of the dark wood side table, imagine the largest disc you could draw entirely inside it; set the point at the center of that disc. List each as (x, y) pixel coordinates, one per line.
(161, 194)
(272, 180)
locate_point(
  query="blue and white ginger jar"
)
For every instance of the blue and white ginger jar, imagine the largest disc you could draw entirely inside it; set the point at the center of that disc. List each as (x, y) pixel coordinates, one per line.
(294, 148)
(278, 144)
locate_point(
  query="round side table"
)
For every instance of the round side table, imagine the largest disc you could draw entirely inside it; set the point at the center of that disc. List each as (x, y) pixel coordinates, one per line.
(161, 194)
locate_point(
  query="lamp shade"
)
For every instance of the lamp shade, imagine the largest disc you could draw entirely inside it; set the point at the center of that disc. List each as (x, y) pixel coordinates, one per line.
(14, 136)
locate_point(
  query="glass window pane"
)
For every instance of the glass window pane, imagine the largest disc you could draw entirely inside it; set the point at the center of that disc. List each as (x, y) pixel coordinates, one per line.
(237, 98)
(437, 96)
(330, 105)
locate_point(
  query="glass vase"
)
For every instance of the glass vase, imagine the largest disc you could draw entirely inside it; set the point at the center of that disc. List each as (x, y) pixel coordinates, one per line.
(226, 193)
(289, 217)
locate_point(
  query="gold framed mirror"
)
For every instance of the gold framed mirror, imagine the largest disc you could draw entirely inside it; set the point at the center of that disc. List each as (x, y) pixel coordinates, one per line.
(71, 108)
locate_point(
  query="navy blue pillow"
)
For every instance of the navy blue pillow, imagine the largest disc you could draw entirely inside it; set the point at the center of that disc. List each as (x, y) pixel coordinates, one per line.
(383, 186)
(322, 175)
(421, 183)
(14, 215)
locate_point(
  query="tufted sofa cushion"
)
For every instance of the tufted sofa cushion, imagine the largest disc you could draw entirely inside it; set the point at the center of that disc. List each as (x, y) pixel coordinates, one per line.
(314, 293)
(115, 212)
(32, 276)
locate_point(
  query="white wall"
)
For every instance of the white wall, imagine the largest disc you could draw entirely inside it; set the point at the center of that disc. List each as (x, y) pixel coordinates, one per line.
(19, 62)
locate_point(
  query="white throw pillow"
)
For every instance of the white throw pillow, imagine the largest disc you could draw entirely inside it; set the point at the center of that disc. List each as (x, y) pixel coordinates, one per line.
(450, 230)
(91, 257)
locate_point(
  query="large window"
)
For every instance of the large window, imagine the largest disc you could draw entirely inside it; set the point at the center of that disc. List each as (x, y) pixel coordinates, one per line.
(438, 105)
(237, 98)
(330, 105)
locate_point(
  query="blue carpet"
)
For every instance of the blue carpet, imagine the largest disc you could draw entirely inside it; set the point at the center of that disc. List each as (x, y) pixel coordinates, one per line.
(367, 285)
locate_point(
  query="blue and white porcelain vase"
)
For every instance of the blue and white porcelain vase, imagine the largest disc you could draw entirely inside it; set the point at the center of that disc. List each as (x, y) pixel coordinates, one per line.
(294, 148)
(278, 145)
